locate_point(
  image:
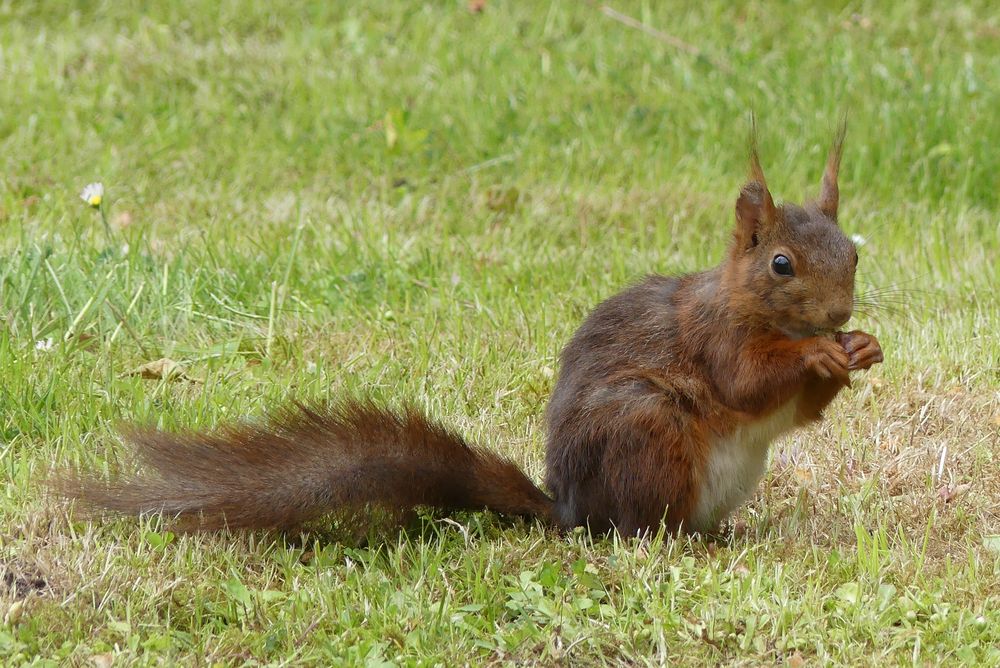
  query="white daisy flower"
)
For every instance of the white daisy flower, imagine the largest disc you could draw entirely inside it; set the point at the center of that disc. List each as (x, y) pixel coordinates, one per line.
(44, 345)
(858, 240)
(92, 194)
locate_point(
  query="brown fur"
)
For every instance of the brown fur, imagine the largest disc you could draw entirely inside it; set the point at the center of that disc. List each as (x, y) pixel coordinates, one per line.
(652, 382)
(305, 463)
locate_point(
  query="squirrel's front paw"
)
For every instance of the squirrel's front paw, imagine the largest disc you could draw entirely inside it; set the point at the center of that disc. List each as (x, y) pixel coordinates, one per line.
(863, 350)
(827, 359)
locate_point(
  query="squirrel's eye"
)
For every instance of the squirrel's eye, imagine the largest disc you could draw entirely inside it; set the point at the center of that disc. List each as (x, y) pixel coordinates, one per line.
(781, 265)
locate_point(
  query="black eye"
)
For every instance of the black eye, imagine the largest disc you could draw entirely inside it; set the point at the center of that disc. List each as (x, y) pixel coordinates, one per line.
(781, 265)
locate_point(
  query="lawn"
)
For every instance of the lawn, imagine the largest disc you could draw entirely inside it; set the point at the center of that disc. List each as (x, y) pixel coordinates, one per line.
(421, 201)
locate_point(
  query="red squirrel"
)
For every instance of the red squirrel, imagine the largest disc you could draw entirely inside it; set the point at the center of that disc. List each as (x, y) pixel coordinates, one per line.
(668, 398)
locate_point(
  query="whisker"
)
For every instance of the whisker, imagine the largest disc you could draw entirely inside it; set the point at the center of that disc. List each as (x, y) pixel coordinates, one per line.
(865, 314)
(887, 291)
(879, 305)
(882, 303)
(897, 290)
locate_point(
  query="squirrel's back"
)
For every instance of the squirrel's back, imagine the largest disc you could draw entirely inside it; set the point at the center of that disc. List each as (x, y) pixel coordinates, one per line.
(626, 386)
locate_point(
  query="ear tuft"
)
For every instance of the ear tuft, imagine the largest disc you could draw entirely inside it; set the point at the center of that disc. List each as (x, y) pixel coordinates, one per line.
(755, 209)
(829, 194)
(756, 172)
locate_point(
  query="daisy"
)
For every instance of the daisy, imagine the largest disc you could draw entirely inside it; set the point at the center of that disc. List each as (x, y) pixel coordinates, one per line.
(44, 345)
(92, 194)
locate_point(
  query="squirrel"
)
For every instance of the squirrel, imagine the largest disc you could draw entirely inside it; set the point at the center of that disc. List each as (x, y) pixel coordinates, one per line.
(668, 397)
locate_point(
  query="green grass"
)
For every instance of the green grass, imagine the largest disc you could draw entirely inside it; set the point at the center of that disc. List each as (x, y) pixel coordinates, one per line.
(415, 201)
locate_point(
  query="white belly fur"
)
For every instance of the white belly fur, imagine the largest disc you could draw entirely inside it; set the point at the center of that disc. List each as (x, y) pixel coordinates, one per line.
(735, 465)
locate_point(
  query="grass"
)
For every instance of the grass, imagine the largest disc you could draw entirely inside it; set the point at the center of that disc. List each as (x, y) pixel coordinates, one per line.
(419, 201)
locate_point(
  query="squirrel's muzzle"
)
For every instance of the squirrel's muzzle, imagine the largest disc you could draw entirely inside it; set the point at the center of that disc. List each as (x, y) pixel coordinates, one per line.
(838, 317)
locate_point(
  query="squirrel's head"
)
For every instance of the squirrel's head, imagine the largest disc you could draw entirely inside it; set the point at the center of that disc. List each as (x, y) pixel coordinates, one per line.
(792, 264)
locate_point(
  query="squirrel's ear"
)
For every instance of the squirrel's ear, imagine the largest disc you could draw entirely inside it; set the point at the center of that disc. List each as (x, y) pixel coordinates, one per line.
(755, 207)
(755, 211)
(829, 194)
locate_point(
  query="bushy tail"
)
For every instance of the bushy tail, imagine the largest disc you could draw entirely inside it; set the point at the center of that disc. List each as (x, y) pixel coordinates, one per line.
(304, 463)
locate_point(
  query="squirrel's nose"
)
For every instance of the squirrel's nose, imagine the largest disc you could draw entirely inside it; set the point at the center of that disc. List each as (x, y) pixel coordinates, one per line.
(838, 316)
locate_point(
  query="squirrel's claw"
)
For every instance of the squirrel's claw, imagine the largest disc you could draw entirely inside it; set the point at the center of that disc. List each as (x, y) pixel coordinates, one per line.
(828, 360)
(863, 349)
